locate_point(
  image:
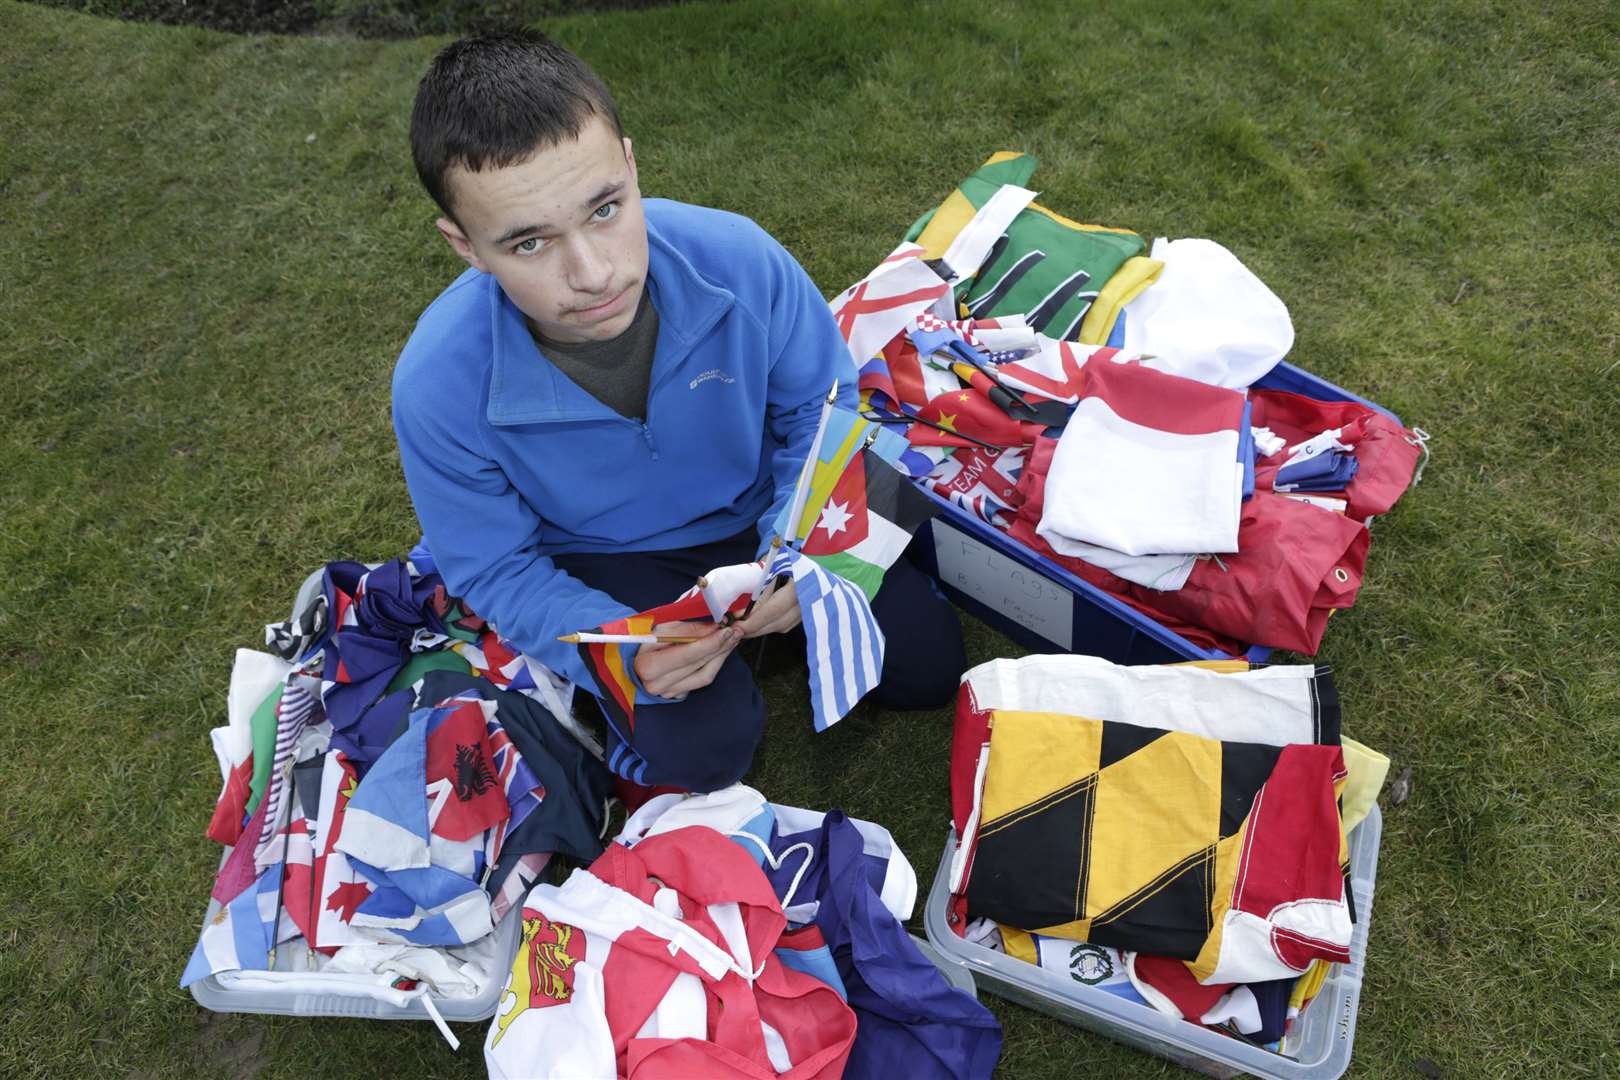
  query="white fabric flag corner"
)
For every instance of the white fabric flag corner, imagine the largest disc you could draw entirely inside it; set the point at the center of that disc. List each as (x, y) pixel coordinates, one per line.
(1208, 317)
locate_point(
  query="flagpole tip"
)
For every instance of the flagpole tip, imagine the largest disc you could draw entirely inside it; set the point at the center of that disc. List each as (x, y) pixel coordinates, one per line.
(571, 639)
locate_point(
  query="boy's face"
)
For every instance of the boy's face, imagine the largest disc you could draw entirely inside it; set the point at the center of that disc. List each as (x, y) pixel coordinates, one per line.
(562, 232)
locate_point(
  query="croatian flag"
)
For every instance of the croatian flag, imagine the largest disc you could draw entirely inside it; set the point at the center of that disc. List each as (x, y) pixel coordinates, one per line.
(1148, 465)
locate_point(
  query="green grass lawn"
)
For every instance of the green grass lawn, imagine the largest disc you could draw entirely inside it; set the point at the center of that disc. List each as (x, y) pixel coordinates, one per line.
(213, 248)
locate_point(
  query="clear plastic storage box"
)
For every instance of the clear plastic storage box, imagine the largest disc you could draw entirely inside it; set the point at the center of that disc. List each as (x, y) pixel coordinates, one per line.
(1317, 1048)
(212, 993)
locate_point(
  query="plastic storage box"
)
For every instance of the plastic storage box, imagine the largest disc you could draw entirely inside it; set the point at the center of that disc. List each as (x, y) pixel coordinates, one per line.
(1318, 1047)
(290, 958)
(1038, 603)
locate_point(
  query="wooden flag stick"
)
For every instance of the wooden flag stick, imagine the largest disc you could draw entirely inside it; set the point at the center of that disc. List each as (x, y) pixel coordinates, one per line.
(927, 423)
(630, 639)
(290, 782)
(314, 914)
(801, 489)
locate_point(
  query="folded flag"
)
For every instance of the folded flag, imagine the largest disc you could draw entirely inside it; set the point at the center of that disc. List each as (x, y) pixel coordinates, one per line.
(1053, 369)
(1329, 471)
(929, 334)
(1206, 798)
(1043, 265)
(982, 482)
(1147, 465)
(1320, 463)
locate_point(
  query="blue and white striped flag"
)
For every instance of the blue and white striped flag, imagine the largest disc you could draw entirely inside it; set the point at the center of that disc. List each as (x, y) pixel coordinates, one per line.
(844, 645)
(296, 710)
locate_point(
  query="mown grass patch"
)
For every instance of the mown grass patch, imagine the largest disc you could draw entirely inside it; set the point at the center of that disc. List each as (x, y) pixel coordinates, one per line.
(215, 247)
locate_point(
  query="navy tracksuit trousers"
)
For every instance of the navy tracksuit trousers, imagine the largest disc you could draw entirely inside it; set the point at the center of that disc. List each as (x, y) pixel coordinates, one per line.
(707, 741)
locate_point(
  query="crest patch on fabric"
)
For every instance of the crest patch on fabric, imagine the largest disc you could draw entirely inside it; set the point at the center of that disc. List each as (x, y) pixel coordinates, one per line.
(543, 970)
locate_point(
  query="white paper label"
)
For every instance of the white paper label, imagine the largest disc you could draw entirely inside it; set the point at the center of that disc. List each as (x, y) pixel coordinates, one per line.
(1005, 585)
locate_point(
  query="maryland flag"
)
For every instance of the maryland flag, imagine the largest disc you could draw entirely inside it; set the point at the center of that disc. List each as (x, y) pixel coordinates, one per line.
(1069, 280)
(1226, 854)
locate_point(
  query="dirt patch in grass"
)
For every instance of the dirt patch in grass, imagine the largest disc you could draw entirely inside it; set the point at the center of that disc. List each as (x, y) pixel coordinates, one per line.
(384, 19)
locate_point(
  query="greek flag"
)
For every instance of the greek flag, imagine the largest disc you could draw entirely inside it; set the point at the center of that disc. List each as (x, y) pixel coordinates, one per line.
(844, 646)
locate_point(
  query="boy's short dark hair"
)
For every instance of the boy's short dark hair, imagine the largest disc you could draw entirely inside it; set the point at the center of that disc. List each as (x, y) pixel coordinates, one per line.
(494, 99)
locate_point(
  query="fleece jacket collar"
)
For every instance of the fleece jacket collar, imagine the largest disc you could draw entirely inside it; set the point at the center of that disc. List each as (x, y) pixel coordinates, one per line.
(527, 388)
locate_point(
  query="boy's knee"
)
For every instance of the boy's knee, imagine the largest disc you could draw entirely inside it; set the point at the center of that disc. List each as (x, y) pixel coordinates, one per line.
(707, 741)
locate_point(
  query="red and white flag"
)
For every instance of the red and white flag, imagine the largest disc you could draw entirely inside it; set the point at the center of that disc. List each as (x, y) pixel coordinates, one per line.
(1147, 465)
(879, 306)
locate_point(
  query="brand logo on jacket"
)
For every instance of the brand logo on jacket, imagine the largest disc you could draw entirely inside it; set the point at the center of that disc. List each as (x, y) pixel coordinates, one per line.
(712, 373)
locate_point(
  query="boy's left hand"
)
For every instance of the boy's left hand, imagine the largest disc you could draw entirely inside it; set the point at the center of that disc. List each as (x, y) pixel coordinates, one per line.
(777, 610)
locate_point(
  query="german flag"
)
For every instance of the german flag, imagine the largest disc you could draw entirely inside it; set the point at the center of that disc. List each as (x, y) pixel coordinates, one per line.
(605, 662)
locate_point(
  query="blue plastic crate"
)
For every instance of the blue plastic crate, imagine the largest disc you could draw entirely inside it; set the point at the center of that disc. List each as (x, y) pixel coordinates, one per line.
(1044, 607)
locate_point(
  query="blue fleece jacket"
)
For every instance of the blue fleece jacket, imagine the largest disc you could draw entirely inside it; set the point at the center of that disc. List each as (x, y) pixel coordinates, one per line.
(510, 462)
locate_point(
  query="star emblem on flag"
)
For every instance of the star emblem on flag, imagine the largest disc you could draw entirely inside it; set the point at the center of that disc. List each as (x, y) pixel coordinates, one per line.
(834, 516)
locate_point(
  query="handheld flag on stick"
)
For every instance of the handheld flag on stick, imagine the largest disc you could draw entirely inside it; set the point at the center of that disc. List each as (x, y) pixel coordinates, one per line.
(588, 638)
(843, 643)
(281, 879)
(801, 489)
(860, 509)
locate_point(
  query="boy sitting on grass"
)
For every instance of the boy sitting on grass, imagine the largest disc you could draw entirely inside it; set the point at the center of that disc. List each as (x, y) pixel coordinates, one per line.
(616, 397)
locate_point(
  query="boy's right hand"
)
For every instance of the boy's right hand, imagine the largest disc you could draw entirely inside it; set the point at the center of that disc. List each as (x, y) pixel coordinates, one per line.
(672, 670)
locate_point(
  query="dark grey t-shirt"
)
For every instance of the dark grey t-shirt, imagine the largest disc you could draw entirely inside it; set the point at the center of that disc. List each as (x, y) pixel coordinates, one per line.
(618, 371)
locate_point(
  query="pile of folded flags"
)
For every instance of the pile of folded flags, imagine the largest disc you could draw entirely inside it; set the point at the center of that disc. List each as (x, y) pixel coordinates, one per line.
(1096, 401)
(721, 935)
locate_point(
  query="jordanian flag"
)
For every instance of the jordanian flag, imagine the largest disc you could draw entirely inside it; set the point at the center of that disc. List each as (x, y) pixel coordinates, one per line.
(850, 524)
(866, 522)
